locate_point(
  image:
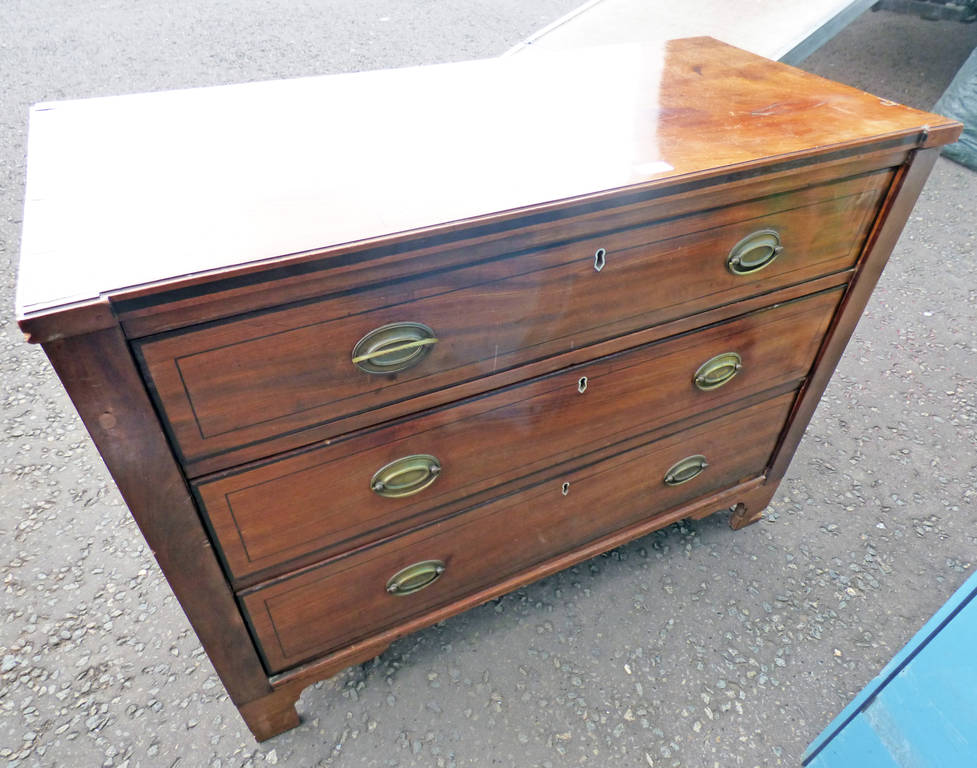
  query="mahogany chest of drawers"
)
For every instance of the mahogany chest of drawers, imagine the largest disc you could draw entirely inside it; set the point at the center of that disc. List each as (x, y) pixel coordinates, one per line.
(364, 351)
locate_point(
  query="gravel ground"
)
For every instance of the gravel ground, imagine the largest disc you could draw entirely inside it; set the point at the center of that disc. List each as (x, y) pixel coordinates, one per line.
(694, 646)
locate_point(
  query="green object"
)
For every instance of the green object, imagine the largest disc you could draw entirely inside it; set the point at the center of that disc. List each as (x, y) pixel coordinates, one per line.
(959, 101)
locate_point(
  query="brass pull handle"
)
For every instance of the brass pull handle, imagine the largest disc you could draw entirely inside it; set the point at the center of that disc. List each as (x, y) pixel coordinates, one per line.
(406, 476)
(754, 252)
(718, 370)
(688, 468)
(415, 577)
(394, 347)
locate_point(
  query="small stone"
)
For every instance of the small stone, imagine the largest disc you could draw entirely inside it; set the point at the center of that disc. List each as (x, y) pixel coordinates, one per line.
(9, 662)
(95, 722)
(272, 757)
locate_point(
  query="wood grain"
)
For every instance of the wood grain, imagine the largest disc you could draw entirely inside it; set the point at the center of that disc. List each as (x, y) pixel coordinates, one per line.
(186, 300)
(330, 663)
(295, 619)
(298, 441)
(897, 207)
(254, 379)
(492, 492)
(321, 499)
(243, 291)
(101, 378)
(102, 219)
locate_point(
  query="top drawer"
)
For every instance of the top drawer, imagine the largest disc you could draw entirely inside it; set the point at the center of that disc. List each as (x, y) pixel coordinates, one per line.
(252, 379)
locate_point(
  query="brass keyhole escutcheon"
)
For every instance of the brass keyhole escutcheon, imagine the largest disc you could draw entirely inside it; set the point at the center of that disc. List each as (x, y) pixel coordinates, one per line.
(717, 371)
(687, 469)
(415, 577)
(405, 476)
(582, 384)
(565, 489)
(394, 347)
(754, 252)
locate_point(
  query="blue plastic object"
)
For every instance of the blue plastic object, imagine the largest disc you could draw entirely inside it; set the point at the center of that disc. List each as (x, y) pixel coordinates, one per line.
(921, 710)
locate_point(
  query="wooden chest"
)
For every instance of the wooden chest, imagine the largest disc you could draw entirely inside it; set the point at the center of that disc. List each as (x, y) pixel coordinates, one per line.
(364, 351)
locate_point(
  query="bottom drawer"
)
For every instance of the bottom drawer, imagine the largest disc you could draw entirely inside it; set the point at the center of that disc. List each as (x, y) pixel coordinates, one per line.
(350, 597)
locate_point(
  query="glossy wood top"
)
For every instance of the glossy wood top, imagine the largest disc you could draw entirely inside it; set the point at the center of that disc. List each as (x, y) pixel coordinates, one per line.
(134, 190)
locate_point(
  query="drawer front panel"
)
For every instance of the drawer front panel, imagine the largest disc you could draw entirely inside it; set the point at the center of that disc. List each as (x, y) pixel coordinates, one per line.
(327, 497)
(295, 619)
(254, 379)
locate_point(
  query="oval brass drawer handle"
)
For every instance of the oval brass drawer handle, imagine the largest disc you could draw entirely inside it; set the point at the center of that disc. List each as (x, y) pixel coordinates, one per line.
(394, 347)
(754, 252)
(415, 577)
(718, 370)
(688, 468)
(405, 476)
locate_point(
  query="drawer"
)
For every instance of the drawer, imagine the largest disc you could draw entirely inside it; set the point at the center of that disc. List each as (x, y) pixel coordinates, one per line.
(295, 618)
(323, 499)
(254, 379)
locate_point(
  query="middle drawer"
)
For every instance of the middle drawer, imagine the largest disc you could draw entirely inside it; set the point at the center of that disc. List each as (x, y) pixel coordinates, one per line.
(342, 493)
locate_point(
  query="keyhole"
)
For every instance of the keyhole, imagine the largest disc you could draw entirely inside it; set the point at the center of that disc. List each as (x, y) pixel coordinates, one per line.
(599, 259)
(566, 488)
(582, 385)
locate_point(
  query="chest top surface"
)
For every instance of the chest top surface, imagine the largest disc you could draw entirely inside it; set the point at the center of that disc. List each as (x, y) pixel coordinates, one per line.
(135, 190)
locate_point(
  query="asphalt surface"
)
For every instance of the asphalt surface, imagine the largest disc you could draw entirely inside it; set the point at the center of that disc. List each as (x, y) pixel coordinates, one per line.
(695, 646)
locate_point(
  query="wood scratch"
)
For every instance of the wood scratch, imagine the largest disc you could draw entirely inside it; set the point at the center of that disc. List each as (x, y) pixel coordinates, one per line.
(784, 107)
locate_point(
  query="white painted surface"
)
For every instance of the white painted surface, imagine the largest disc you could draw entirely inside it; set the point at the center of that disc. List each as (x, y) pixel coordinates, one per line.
(130, 190)
(769, 28)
